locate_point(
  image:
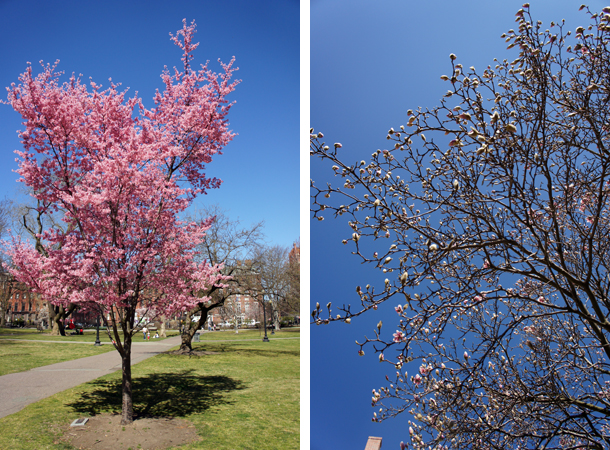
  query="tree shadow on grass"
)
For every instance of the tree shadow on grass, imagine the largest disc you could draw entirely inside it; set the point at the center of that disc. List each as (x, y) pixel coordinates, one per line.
(160, 395)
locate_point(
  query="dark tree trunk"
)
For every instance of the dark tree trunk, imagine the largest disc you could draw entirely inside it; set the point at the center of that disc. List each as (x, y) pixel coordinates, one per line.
(127, 388)
(57, 315)
(186, 345)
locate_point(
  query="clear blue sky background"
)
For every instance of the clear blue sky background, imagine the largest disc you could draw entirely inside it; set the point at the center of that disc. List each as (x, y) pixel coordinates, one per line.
(370, 63)
(129, 41)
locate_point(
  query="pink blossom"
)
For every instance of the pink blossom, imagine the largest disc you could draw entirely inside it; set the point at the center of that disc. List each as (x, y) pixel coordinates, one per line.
(417, 379)
(398, 309)
(399, 336)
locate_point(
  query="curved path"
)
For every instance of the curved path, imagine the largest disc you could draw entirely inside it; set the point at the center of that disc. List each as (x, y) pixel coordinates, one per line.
(18, 390)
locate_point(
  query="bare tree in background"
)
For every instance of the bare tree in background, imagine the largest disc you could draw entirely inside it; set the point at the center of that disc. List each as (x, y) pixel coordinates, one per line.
(271, 281)
(33, 221)
(6, 280)
(291, 306)
(227, 242)
(490, 215)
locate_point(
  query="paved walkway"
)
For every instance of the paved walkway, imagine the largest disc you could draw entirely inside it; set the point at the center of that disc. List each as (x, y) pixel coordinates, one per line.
(18, 390)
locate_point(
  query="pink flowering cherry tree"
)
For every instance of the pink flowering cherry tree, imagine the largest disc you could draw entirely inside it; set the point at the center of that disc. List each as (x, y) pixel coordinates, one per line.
(120, 174)
(489, 215)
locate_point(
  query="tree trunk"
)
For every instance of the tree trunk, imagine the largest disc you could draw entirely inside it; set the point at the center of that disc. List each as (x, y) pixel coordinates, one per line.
(58, 327)
(185, 345)
(190, 330)
(127, 388)
(276, 320)
(57, 315)
(162, 332)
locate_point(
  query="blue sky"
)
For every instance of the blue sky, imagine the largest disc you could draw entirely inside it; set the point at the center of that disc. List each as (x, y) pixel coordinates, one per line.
(370, 63)
(129, 41)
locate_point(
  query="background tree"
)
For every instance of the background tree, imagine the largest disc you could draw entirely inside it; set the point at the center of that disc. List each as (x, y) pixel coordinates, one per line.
(6, 280)
(489, 216)
(33, 221)
(270, 281)
(121, 174)
(230, 245)
(292, 304)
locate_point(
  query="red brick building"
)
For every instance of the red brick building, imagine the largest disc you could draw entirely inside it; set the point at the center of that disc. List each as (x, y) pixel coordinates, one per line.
(22, 306)
(242, 307)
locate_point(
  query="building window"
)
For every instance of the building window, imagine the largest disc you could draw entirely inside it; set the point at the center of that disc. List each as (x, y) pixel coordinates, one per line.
(17, 296)
(30, 306)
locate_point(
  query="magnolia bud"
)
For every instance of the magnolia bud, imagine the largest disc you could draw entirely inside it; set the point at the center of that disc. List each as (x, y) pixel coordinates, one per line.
(404, 277)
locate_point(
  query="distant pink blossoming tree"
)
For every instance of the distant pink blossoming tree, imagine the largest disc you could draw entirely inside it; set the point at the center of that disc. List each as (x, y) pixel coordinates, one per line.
(494, 209)
(120, 174)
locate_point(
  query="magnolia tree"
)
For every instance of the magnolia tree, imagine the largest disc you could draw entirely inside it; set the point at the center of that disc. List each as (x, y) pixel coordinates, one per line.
(489, 215)
(120, 174)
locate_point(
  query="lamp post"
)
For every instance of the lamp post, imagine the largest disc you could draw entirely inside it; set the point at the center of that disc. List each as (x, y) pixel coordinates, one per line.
(97, 331)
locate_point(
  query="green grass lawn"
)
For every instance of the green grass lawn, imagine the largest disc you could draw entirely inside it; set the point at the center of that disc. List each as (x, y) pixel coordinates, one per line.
(244, 396)
(18, 356)
(88, 336)
(248, 334)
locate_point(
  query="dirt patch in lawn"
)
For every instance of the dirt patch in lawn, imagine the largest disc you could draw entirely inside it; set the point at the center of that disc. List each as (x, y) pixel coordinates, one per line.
(105, 432)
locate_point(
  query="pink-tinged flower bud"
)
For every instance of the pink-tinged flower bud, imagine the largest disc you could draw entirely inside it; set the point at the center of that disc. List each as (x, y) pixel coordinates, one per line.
(381, 358)
(511, 128)
(320, 135)
(361, 352)
(433, 247)
(466, 355)
(338, 145)
(398, 309)
(402, 446)
(411, 431)
(348, 320)
(453, 57)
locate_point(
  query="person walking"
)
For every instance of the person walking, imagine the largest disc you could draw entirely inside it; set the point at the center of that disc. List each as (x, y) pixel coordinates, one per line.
(144, 330)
